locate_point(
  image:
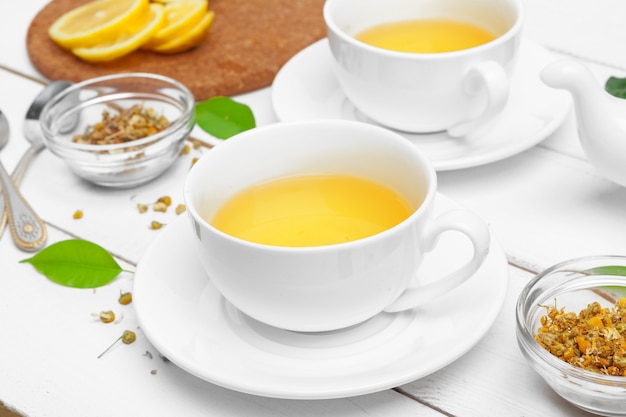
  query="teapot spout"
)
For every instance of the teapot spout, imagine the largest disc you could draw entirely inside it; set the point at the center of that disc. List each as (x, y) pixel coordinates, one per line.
(569, 75)
(593, 105)
(600, 117)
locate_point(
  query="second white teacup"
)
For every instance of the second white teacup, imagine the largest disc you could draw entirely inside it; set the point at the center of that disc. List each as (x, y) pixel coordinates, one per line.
(326, 286)
(461, 91)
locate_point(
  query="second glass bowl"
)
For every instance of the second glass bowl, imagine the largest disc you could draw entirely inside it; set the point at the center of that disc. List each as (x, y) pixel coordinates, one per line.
(81, 107)
(573, 285)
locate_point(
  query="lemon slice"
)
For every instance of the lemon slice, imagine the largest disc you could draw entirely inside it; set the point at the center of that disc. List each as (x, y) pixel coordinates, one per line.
(95, 22)
(128, 39)
(189, 39)
(181, 16)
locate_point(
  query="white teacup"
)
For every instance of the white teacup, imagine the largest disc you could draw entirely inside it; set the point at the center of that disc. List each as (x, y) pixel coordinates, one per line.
(323, 288)
(461, 92)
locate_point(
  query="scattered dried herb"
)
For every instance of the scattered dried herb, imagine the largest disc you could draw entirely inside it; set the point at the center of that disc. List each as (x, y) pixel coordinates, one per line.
(154, 225)
(166, 199)
(127, 338)
(223, 117)
(162, 204)
(76, 263)
(159, 206)
(107, 316)
(78, 214)
(197, 144)
(185, 150)
(125, 298)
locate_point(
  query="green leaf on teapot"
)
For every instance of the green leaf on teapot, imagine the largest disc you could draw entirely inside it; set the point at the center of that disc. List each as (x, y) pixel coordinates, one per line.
(616, 87)
(223, 117)
(76, 263)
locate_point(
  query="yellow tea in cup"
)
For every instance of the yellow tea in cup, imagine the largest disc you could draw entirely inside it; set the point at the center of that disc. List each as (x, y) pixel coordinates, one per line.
(311, 210)
(426, 36)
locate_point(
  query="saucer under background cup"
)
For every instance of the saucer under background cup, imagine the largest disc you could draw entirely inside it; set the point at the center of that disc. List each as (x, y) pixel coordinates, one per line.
(306, 88)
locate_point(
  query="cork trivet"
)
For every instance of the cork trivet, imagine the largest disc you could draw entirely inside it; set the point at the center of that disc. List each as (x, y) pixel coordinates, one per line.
(7, 412)
(248, 43)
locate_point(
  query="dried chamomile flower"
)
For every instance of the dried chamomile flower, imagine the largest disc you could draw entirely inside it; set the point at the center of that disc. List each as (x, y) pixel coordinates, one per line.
(106, 316)
(594, 339)
(160, 206)
(154, 225)
(167, 200)
(125, 298)
(78, 214)
(127, 338)
(181, 208)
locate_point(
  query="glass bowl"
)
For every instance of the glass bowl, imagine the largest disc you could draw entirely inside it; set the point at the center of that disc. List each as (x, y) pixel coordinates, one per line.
(573, 285)
(81, 107)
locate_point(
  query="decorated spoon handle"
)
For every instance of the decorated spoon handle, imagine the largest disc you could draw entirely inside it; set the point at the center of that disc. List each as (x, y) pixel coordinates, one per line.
(28, 231)
(16, 176)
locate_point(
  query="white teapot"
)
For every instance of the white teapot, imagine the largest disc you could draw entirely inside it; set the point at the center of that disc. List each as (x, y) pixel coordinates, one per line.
(601, 117)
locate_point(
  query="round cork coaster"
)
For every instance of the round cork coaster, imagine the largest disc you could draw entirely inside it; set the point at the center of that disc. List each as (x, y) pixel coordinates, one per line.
(248, 42)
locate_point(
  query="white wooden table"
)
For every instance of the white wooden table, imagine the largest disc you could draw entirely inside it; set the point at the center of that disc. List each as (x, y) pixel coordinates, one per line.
(545, 205)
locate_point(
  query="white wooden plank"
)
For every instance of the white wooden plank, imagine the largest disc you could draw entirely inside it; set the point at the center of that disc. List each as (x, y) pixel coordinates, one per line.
(591, 30)
(544, 207)
(14, 22)
(494, 378)
(49, 365)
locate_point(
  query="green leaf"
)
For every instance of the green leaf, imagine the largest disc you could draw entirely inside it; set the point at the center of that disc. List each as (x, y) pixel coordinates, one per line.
(76, 263)
(616, 87)
(223, 117)
(618, 270)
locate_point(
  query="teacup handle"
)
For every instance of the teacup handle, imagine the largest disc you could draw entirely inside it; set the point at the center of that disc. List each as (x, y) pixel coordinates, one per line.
(491, 78)
(470, 225)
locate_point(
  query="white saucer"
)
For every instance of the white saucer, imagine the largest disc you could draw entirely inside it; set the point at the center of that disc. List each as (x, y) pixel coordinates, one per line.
(306, 88)
(188, 321)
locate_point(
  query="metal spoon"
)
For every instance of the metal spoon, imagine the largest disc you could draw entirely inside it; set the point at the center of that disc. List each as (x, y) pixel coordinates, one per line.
(27, 229)
(32, 128)
(32, 132)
